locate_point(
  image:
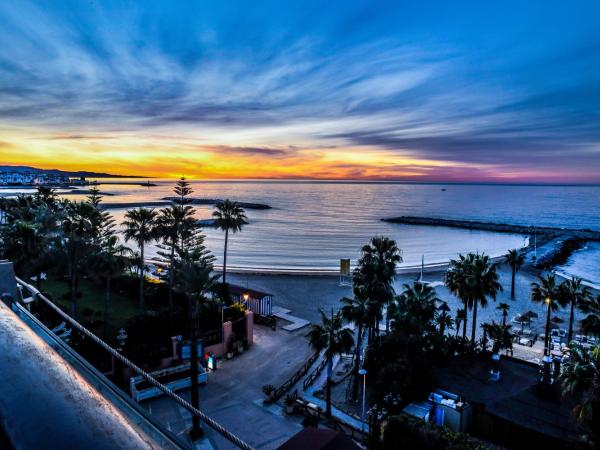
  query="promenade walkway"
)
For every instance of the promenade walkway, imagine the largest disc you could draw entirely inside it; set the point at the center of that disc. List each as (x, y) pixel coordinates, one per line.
(296, 322)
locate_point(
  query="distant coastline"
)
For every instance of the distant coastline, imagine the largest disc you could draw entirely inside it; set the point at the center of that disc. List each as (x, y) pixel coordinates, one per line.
(79, 173)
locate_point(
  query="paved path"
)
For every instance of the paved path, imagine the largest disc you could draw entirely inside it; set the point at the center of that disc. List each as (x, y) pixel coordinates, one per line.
(233, 395)
(296, 322)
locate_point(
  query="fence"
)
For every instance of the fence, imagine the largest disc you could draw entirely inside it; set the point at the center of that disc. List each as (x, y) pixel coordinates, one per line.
(262, 306)
(212, 337)
(118, 356)
(314, 374)
(278, 393)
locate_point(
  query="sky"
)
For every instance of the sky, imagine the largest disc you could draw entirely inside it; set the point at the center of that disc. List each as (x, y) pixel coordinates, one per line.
(418, 91)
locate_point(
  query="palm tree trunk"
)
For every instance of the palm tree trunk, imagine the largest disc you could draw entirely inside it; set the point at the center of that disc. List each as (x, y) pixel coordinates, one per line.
(328, 387)
(474, 323)
(504, 313)
(171, 280)
(72, 264)
(329, 369)
(106, 304)
(38, 281)
(73, 288)
(512, 286)
(464, 334)
(357, 364)
(547, 338)
(387, 318)
(142, 277)
(195, 399)
(571, 319)
(225, 256)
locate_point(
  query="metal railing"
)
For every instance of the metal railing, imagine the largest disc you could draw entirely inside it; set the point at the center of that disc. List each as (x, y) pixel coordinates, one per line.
(287, 385)
(118, 356)
(310, 379)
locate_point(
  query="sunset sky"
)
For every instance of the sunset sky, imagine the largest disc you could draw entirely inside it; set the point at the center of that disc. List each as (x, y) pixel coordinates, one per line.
(421, 91)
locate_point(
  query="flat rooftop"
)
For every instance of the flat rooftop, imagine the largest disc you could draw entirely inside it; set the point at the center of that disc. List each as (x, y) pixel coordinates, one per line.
(512, 398)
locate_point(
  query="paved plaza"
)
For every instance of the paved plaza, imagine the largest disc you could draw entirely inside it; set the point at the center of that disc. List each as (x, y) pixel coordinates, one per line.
(233, 395)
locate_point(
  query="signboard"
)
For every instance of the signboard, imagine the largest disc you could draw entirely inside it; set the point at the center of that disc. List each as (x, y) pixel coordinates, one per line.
(345, 272)
(186, 353)
(345, 267)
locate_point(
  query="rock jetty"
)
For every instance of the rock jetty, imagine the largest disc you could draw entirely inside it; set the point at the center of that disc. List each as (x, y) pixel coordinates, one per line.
(567, 240)
(214, 201)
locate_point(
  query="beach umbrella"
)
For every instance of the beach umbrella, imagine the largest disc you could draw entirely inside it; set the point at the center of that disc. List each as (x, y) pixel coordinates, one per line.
(522, 320)
(530, 315)
(557, 319)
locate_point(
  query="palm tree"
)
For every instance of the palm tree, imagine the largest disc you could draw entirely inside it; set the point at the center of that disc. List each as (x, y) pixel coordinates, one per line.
(456, 282)
(77, 230)
(504, 307)
(501, 335)
(473, 279)
(444, 321)
(24, 244)
(109, 260)
(461, 318)
(575, 294)
(415, 309)
(229, 216)
(359, 311)
(515, 260)
(46, 196)
(140, 226)
(484, 281)
(591, 324)
(197, 282)
(546, 291)
(376, 270)
(580, 377)
(335, 339)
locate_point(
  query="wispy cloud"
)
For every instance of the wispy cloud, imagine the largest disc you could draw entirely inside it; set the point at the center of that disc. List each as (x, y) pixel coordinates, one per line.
(238, 82)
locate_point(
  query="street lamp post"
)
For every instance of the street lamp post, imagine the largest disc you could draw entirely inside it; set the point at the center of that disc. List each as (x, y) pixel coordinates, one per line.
(547, 340)
(363, 373)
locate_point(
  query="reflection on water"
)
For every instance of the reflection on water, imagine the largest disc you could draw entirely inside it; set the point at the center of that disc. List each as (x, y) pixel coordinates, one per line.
(313, 224)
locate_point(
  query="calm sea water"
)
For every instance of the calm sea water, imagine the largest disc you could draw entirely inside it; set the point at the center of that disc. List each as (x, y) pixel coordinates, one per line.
(314, 224)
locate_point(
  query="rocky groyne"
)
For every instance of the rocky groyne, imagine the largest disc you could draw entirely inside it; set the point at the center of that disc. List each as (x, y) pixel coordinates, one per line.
(567, 240)
(214, 201)
(166, 201)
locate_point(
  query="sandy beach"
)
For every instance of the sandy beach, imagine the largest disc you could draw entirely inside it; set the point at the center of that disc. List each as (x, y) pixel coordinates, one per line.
(305, 294)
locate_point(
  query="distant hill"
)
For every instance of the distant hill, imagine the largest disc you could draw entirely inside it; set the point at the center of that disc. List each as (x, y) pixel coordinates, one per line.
(80, 173)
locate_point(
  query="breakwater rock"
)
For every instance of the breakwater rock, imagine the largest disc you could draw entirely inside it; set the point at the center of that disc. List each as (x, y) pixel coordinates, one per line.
(567, 240)
(214, 201)
(497, 227)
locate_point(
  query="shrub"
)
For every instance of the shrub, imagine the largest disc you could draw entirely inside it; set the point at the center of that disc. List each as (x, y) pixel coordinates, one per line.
(403, 432)
(268, 389)
(289, 400)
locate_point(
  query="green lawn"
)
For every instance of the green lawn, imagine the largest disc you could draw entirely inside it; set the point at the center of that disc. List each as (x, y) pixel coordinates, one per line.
(93, 295)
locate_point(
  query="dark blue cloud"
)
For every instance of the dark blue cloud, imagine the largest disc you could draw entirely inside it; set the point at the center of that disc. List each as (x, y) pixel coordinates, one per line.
(513, 84)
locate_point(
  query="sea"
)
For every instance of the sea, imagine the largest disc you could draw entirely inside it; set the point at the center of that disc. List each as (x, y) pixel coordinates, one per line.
(313, 224)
